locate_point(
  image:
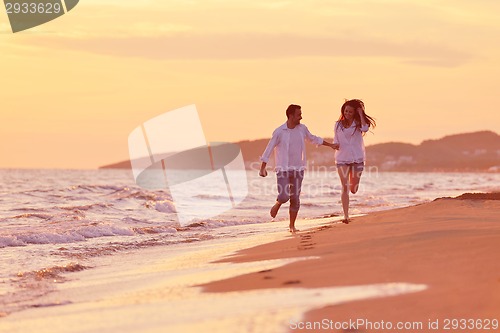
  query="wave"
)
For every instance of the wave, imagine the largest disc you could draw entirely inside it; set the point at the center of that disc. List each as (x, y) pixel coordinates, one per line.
(424, 187)
(31, 210)
(114, 191)
(87, 207)
(51, 273)
(226, 222)
(80, 234)
(74, 215)
(140, 194)
(164, 206)
(154, 230)
(311, 204)
(372, 201)
(97, 188)
(31, 286)
(210, 196)
(35, 215)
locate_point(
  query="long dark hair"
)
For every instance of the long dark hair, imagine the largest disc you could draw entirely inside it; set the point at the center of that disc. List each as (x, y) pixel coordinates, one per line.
(355, 103)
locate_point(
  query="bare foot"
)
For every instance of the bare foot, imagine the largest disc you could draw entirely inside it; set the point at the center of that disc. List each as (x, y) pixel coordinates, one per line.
(293, 230)
(346, 221)
(274, 209)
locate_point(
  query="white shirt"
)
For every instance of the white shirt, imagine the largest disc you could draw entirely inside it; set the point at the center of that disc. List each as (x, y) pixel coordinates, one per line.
(290, 152)
(351, 145)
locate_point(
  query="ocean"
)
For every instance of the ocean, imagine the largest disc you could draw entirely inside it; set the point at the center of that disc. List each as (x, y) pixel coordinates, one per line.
(55, 222)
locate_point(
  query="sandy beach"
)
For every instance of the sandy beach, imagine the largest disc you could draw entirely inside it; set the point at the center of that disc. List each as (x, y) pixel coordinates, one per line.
(450, 245)
(423, 264)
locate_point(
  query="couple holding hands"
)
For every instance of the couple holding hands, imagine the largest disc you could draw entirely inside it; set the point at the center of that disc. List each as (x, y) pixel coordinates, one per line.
(288, 144)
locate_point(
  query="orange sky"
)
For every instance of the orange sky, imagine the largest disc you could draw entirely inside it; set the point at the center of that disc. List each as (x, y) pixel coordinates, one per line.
(73, 89)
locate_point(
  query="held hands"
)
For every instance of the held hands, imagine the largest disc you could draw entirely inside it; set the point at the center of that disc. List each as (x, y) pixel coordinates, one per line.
(332, 145)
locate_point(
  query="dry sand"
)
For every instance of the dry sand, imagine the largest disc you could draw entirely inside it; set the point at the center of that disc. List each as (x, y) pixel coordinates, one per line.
(450, 245)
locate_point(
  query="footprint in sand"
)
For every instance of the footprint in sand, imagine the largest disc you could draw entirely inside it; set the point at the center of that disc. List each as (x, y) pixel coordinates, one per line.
(306, 242)
(291, 282)
(325, 227)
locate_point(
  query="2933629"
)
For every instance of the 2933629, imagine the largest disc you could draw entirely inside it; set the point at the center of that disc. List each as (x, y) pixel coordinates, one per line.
(33, 8)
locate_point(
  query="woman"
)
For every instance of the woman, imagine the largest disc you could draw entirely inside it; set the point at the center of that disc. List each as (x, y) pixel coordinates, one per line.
(350, 156)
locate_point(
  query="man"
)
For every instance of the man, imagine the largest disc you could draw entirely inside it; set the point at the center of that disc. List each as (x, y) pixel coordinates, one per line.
(288, 143)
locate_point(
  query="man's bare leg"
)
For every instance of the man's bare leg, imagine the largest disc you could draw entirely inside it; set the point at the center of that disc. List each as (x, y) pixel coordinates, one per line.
(274, 209)
(293, 217)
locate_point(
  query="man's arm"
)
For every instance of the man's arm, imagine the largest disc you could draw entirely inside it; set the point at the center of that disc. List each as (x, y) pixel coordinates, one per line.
(319, 141)
(267, 153)
(263, 171)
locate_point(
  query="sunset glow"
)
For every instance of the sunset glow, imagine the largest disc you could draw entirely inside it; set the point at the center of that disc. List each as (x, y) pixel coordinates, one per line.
(73, 89)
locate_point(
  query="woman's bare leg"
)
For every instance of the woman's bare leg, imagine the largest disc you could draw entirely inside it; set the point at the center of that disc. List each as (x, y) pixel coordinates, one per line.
(343, 171)
(354, 178)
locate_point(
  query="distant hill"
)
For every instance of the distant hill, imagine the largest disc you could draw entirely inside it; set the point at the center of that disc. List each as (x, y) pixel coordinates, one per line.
(478, 151)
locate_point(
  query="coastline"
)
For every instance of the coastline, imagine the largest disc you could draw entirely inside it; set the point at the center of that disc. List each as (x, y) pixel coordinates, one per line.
(435, 260)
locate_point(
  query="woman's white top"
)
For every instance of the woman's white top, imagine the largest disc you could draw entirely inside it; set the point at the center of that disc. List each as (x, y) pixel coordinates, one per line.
(351, 145)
